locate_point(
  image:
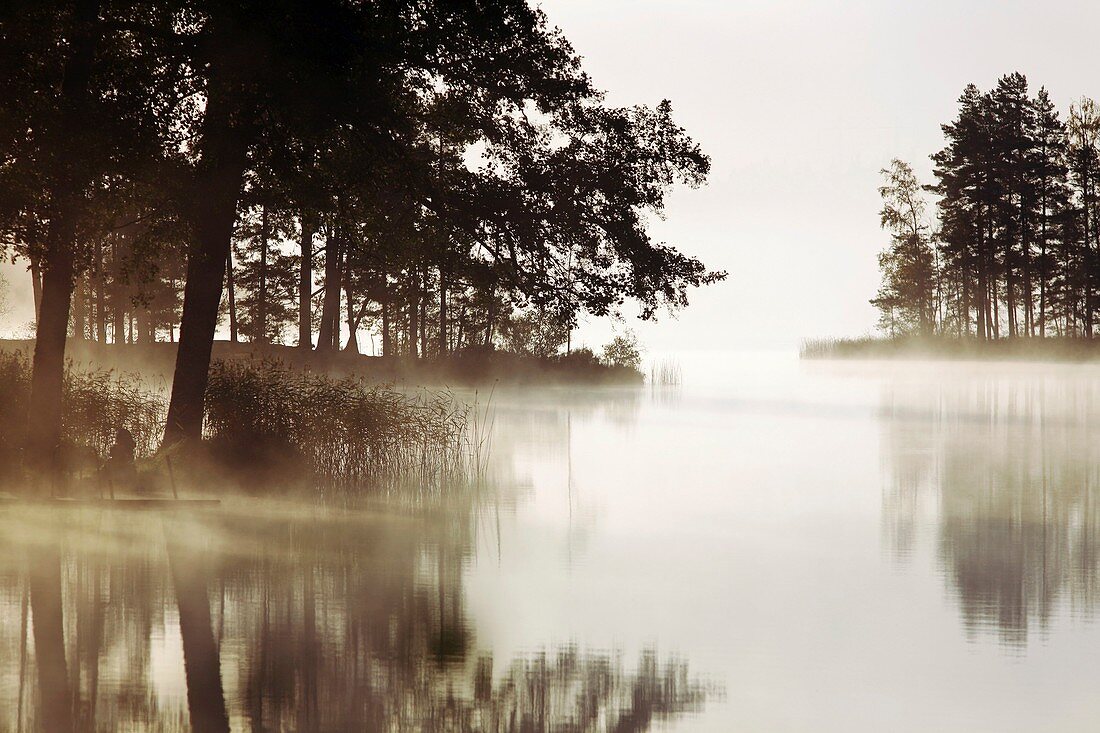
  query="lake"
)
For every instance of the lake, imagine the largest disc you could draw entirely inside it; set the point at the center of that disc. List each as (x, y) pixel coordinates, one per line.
(775, 545)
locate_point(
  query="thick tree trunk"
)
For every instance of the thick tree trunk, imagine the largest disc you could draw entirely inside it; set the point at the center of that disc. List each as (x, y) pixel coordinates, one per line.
(47, 372)
(79, 310)
(44, 423)
(305, 285)
(224, 149)
(330, 307)
(36, 287)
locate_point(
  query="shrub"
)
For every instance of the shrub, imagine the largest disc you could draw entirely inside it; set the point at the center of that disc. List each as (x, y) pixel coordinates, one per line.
(622, 351)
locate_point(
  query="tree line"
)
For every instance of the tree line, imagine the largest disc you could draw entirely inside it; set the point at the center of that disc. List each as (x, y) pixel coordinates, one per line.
(1014, 249)
(438, 172)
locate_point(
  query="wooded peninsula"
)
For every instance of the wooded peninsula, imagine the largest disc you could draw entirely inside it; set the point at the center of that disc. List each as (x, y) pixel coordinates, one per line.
(1009, 248)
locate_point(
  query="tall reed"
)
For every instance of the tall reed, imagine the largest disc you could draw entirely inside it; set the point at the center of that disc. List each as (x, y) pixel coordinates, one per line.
(665, 373)
(345, 432)
(95, 404)
(327, 433)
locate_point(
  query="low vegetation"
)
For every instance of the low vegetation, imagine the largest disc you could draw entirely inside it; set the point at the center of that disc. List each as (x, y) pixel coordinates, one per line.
(267, 423)
(343, 433)
(473, 366)
(946, 347)
(96, 404)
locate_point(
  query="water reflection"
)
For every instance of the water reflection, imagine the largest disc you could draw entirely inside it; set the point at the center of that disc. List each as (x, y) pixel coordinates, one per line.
(1008, 468)
(245, 619)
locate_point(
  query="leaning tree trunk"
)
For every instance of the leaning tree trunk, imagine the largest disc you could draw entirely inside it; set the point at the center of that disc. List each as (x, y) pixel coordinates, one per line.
(47, 374)
(36, 286)
(224, 157)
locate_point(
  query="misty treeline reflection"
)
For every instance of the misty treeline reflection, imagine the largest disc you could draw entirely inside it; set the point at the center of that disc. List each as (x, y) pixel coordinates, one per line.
(283, 618)
(1010, 470)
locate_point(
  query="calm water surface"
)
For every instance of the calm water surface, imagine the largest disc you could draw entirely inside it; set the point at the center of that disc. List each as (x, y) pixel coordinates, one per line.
(773, 546)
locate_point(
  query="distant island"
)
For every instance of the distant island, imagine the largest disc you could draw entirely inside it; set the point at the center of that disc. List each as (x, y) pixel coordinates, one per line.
(1048, 349)
(1005, 263)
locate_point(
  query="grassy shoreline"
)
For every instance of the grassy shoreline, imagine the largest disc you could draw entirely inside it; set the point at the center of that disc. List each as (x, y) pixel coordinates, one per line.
(464, 368)
(1053, 349)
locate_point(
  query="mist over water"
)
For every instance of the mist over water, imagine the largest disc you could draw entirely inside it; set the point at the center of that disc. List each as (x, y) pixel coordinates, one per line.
(774, 545)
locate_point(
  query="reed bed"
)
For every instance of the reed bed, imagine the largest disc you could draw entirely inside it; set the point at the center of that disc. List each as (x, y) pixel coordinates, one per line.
(95, 404)
(281, 424)
(345, 433)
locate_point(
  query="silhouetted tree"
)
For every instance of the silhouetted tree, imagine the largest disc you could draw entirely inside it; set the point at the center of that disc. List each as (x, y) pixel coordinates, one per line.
(908, 273)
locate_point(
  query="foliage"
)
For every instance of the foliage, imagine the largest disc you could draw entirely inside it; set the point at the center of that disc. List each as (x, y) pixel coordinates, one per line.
(534, 333)
(905, 299)
(1015, 250)
(623, 352)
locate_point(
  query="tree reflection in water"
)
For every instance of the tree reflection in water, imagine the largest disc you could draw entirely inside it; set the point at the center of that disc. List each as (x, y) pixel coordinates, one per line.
(1010, 469)
(282, 622)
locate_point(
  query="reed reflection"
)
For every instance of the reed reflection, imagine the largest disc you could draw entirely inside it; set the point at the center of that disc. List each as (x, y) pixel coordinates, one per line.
(1010, 472)
(332, 621)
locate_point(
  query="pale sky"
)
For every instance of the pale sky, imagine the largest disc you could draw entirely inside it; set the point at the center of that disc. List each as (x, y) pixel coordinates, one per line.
(799, 104)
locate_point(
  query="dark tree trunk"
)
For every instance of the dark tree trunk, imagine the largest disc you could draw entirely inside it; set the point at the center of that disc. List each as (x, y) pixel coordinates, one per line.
(47, 374)
(261, 305)
(36, 287)
(330, 308)
(100, 312)
(79, 309)
(444, 344)
(224, 149)
(118, 312)
(44, 420)
(386, 345)
(414, 314)
(422, 305)
(305, 285)
(352, 346)
(231, 296)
